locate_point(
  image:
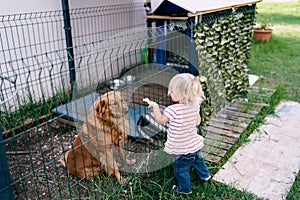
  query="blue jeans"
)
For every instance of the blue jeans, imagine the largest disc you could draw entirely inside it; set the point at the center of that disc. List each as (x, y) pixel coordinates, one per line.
(182, 166)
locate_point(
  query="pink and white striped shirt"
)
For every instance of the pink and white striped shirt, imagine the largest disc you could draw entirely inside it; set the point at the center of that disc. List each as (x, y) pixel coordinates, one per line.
(182, 136)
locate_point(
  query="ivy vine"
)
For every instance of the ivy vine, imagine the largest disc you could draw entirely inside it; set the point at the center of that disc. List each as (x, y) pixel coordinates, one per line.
(223, 48)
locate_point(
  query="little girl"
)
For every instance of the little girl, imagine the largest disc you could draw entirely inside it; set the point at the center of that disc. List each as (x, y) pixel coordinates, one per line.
(182, 119)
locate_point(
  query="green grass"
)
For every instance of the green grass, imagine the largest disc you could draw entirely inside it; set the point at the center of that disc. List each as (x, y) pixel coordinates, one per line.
(31, 110)
(157, 185)
(277, 61)
(295, 190)
(279, 13)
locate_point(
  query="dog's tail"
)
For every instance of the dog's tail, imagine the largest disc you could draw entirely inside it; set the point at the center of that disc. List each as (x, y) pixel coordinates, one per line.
(64, 158)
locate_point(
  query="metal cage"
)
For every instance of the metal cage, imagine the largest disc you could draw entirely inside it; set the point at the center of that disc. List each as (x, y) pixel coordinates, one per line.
(49, 85)
(42, 110)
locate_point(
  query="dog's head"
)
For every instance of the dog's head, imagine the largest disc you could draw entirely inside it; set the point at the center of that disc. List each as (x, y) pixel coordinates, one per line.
(111, 105)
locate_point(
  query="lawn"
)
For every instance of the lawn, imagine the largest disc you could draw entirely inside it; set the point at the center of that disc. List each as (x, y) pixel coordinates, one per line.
(278, 61)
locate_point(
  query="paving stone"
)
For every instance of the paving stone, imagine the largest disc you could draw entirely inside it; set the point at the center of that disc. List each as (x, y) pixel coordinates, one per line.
(267, 165)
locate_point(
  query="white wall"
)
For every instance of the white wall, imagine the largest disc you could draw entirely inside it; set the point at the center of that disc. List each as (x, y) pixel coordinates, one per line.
(27, 6)
(32, 39)
(92, 3)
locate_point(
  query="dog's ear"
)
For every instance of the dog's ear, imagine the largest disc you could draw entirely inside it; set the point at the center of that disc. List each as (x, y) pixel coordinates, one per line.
(101, 106)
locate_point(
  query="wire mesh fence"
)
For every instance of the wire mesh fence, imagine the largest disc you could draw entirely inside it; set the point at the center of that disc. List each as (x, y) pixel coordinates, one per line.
(30, 39)
(59, 135)
(42, 116)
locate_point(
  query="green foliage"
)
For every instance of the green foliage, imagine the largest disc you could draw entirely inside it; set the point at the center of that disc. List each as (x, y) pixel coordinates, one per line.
(263, 26)
(224, 48)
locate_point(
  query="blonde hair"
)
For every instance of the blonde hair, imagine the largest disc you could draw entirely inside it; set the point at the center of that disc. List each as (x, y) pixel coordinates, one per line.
(187, 88)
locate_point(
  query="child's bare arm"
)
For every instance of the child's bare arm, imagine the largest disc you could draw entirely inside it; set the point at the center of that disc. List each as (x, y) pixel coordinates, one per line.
(159, 117)
(198, 120)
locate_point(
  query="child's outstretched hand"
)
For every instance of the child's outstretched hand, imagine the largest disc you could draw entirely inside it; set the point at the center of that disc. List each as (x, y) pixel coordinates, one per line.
(151, 104)
(158, 116)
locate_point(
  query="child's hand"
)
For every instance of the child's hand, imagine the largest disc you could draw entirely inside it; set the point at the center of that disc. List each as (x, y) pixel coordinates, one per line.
(151, 103)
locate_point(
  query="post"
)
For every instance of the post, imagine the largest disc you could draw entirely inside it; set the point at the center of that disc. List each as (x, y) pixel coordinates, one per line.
(193, 57)
(161, 42)
(6, 192)
(150, 41)
(69, 42)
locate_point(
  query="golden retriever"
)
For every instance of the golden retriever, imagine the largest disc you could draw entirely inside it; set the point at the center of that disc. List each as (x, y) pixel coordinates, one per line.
(105, 130)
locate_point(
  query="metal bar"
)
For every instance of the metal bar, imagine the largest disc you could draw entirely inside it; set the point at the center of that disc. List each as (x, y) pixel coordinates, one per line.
(5, 182)
(69, 42)
(193, 58)
(160, 48)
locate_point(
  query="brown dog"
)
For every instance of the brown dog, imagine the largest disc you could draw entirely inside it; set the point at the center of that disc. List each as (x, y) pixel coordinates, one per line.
(106, 129)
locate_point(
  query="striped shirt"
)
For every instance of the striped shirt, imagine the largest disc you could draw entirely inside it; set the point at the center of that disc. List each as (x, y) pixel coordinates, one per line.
(182, 136)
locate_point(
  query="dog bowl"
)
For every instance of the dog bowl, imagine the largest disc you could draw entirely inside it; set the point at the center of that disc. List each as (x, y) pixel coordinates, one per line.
(129, 78)
(116, 84)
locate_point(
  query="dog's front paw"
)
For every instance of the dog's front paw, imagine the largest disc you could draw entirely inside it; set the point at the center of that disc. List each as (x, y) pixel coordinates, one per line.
(123, 180)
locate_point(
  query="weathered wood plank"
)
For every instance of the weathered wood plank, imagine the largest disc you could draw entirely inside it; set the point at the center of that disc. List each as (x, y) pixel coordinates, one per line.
(214, 151)
(229, 122)
(222, 138)
(245, 107)
(228, 116)
(242, 110)
(254, 104)
(67, 121)
(20, 152)
(245, 115)
(222, 131)
(217, 144)
(26, 125)
(231, 127)
(211, 158)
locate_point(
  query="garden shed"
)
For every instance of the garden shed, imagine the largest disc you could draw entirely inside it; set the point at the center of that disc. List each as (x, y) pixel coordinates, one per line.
(219, 44)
